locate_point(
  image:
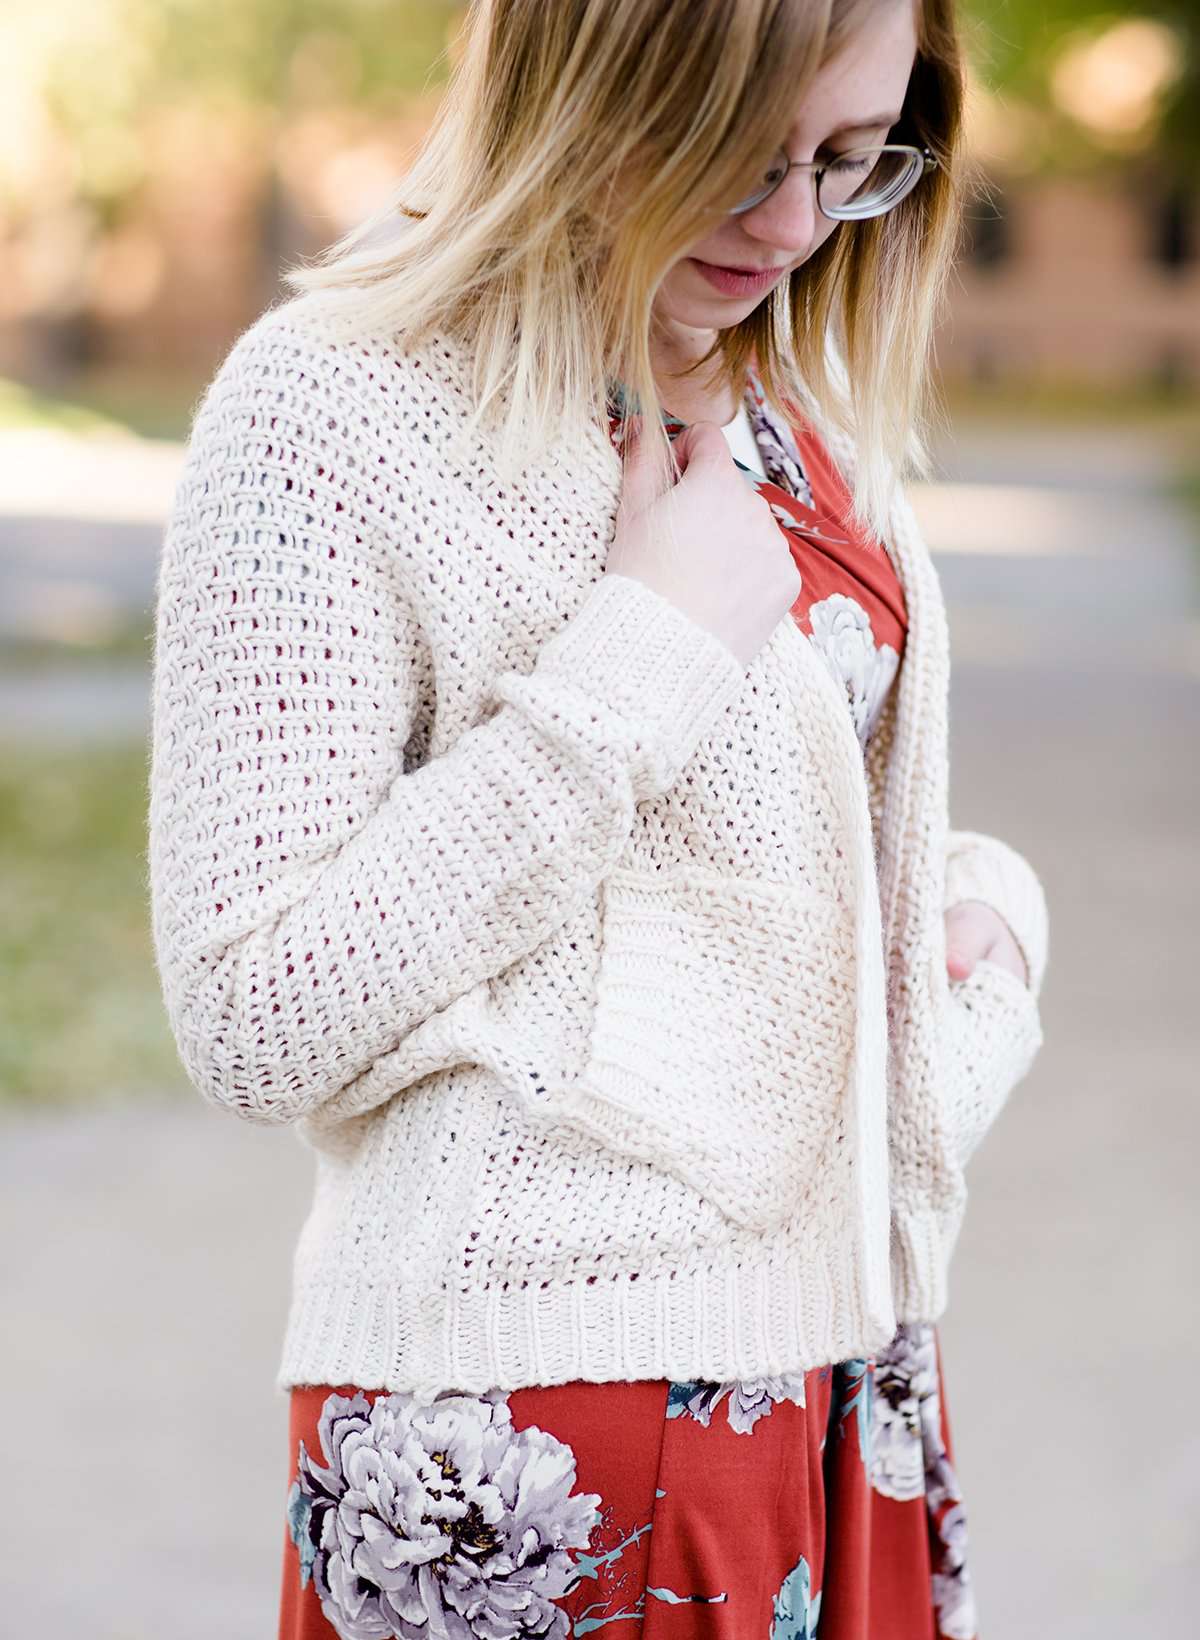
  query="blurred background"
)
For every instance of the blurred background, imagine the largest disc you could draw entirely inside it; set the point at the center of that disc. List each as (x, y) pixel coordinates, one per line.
(160, 160)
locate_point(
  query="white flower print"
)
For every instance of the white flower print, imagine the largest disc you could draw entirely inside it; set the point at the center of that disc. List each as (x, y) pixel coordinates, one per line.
(749, 1398)
(841, 632)
(776, 444)
(909, 1459)
(953, 1598)
(905, 1375)
(953, 1594)
(438, 1517)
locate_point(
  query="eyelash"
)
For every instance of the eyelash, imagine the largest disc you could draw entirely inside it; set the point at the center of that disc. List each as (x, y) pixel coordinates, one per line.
(827, 154)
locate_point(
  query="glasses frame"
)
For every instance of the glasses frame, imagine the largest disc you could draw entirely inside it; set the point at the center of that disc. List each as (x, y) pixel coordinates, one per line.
(819, 167)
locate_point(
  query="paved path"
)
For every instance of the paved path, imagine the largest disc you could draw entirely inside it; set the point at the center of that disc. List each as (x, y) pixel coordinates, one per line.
(1075, 719)
(146, 1250)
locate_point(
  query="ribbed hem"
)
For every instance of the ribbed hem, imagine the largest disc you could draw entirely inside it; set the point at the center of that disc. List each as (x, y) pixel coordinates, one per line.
(922, 1245)
(740, 1321)
(633, 649)
(979, 867)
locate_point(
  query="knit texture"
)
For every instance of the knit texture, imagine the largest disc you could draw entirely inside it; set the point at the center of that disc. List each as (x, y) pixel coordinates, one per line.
(993, 1035)
(605, 982)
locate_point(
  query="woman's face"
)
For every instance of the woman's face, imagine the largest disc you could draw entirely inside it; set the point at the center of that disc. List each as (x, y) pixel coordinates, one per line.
(852, 103)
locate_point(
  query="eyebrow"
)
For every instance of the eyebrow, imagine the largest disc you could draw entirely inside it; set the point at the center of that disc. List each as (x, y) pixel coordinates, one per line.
(868, 124)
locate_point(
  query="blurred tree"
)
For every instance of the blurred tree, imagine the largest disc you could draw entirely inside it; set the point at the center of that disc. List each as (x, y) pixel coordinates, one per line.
(1181, 125)
(1089, 84)
(132, 130)
(100, 69)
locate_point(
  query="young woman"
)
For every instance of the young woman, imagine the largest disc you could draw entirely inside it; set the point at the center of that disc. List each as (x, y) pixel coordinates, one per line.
(549, 818)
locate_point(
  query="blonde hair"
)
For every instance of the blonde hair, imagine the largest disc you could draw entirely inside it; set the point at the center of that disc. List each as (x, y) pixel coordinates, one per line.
(580, 150)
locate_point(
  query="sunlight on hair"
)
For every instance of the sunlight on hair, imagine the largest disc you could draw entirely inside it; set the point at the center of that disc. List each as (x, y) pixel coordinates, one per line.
(581, 149)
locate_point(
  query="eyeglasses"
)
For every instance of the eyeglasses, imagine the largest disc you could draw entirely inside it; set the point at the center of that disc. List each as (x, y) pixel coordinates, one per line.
(861, 182)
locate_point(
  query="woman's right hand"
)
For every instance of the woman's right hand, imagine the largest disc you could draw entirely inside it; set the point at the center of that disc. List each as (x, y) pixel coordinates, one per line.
(732, 572)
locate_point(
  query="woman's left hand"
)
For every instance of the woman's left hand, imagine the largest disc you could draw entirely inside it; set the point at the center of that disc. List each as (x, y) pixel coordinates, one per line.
(974, 930)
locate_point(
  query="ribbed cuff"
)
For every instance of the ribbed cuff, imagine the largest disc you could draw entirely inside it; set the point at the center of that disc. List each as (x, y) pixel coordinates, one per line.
(993, 1035)
(634, 651)
(922, 1247)
(980, 867)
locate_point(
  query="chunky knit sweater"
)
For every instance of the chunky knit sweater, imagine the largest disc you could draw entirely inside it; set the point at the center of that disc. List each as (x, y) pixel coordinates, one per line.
(603, 978)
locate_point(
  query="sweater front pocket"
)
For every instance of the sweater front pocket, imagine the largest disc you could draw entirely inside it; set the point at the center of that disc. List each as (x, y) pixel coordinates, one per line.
(721, 1043)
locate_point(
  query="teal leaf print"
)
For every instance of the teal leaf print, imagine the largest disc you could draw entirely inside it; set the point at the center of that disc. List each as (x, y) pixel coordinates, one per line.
(299, 1514)
(592, 1565)
(597, 1615)
(673, 1599)
(857, 1398)
(679, 1394)
(796, 1607)
(586, 1624)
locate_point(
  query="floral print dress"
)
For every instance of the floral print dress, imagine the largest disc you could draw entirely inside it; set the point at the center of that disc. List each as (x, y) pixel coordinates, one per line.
(819, 1503)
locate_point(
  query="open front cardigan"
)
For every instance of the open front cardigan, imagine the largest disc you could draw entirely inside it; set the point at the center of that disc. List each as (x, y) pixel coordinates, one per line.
(605, 982)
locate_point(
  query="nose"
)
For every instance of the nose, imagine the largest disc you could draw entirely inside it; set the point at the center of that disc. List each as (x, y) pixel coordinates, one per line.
(787, 218)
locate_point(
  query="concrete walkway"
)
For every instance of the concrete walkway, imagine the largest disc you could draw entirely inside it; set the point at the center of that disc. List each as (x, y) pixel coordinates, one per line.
(1075, 719)
(146, 1249)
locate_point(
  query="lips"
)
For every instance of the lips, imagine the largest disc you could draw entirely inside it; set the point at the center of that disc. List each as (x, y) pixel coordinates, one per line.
(737, 281)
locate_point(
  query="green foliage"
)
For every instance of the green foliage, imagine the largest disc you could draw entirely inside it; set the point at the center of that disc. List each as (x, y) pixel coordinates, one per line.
(129, 57)
(115, 61)
(1015, 45)
(376, 49)
(23, 406)
(81, 1013)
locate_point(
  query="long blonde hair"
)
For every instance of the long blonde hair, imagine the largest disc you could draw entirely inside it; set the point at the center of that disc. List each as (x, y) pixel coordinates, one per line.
(580, 150)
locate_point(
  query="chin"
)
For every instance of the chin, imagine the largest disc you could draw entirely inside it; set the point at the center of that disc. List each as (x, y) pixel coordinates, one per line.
(701, 311)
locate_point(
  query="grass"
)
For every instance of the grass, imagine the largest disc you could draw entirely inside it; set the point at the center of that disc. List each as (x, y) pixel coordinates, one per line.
(128, 641)
(1072, 401)
(108, 403)
(24, 406)
(81, 1015)
(1186, 490)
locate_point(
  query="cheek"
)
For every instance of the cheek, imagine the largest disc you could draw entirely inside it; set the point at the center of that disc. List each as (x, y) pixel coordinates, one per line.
(825, 229)
(719, 246)
(676, 300)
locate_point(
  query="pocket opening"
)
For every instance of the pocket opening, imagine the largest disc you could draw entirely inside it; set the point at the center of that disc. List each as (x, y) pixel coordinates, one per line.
(721, 1043)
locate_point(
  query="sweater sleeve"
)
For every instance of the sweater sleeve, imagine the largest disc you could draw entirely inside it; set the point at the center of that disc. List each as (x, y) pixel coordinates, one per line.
(993, 1035)
(980, 867)
(314, 897)
(993, 1028)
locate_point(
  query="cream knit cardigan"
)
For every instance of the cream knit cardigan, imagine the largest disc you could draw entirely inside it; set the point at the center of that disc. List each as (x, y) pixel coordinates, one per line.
(603, 976)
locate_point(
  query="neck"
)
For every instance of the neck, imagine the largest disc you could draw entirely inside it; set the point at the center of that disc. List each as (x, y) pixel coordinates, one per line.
(702, 396)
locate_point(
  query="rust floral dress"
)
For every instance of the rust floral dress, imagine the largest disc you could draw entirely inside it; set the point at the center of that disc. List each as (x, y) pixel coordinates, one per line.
(819, 1503)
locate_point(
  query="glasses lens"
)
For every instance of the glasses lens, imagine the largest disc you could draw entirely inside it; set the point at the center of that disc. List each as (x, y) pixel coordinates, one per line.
(770, 180)
(869, 181)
